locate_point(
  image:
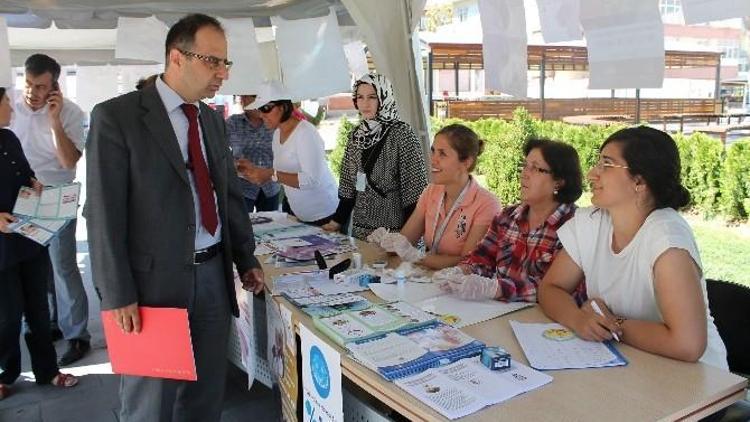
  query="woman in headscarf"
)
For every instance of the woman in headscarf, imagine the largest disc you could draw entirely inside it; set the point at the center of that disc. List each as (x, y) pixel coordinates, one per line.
(384, 171)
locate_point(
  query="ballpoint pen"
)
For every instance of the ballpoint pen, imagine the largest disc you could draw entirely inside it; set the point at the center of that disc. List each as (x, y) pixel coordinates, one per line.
(598, 310)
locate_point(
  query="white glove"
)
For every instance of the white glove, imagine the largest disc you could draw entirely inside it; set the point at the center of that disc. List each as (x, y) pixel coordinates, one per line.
(447, 274)
(399, 244)
(377, 235)
(472, 287)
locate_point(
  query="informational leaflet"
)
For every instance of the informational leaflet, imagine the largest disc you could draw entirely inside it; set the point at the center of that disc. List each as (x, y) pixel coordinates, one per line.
(466, 386)
(55, 202)
(281, 354)
(463, 313)
(625, 42)
(40, 231)
(245, 326)
(560, 20)
(322, 398)
(504, 46)
(552, 346)
(701, 11)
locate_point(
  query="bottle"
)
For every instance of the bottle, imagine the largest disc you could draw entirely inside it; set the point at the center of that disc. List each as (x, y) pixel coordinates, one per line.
(400, 285)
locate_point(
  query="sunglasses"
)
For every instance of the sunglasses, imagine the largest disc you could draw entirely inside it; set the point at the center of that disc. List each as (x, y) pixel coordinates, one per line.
(266, 108)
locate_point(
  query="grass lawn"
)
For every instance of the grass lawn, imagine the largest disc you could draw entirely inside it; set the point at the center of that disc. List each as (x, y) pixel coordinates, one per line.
(725, 251)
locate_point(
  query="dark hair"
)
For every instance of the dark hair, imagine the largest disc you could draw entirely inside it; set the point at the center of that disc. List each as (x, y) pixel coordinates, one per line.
(146, 81)
(182, 34)
(2, 92)
(38, 64)
(464, 141)
(287, 109)
(653, 155)
(562, 160)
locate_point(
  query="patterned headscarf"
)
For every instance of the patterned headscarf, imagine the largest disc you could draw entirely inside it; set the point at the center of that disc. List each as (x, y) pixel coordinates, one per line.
(370, 131)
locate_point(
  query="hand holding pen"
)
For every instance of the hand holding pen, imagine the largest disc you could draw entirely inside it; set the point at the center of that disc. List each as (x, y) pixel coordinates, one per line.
(598, 310)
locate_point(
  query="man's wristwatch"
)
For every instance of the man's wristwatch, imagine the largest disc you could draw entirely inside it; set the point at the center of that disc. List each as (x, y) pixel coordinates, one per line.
(274, 177)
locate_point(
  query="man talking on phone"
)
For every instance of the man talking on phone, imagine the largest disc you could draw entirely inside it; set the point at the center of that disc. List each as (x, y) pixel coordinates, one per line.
(50, 128)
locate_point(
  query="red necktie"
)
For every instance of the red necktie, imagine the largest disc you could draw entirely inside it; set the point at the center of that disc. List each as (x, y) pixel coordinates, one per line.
(200, 171)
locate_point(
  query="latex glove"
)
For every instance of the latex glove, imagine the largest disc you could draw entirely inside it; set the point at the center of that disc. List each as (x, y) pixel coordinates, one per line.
(447, 274)
(472, 287)
(399, 244)
(377, 235)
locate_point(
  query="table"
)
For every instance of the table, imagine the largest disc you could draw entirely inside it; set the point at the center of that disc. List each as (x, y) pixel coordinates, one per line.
(650, 387)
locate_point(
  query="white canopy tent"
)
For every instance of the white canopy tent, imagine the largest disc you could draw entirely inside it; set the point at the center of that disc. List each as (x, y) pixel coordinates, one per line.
(83, 32)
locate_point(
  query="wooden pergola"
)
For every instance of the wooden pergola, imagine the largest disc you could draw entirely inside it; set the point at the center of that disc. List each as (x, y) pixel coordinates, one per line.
(542, 58)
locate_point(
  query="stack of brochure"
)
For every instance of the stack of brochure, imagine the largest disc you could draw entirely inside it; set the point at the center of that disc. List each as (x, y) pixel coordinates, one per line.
(40, 217)
(411, 350)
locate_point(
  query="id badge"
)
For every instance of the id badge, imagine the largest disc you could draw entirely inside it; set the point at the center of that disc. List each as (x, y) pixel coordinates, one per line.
(361, 181)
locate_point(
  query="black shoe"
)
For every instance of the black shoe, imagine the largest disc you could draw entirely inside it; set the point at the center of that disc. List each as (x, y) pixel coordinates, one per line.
(56, 334)
(76, 350)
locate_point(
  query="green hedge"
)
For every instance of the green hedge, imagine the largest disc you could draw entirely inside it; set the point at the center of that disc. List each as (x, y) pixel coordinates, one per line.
(718, 181)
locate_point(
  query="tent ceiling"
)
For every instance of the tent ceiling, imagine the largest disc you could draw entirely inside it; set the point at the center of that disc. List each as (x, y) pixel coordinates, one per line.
(103, 14)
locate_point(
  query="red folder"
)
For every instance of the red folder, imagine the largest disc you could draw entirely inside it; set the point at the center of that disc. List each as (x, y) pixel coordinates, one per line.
(163, 348)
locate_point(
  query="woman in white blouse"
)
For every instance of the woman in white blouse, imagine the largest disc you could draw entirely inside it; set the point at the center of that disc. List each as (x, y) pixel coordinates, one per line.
(637, 255)
(299, 160)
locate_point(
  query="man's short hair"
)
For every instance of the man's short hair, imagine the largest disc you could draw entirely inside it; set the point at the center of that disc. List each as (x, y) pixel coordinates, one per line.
(182, 34)
(38, 64)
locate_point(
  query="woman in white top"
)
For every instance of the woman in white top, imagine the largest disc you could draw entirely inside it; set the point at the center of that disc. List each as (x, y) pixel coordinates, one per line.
(637, 255)
(299, 160)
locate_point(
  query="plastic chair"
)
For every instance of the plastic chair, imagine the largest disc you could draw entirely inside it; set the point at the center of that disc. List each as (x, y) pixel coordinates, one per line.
(729, 304)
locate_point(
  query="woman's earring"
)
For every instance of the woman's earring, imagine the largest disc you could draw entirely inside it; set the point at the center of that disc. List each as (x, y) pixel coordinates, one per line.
(555, 191)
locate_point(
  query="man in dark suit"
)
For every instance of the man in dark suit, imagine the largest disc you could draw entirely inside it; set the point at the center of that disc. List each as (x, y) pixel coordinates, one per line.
(166, 218)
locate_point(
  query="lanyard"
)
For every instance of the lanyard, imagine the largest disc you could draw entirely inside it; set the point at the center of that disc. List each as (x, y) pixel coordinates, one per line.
(439, 231)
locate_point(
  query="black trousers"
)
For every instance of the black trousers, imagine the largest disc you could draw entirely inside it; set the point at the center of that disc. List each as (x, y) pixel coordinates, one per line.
(23, 292)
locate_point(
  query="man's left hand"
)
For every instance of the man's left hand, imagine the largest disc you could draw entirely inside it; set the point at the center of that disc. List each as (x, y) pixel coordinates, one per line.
(253, 280)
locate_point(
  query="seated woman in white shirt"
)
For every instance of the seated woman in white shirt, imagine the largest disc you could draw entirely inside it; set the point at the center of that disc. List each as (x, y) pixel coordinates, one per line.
(299, 160)
(637, 255)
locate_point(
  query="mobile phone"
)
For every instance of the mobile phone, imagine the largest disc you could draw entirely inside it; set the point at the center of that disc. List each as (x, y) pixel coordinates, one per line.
(55, 88)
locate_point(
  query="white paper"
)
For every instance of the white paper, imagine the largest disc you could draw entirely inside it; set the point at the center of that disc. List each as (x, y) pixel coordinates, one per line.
(6, 70)
(466, 386)
(32, 231)
(312, 57)
(571, 353)
(504, 45)
(321, 379)
(95, 85)
(245, 326)
(410, 292)
(560, 20)
(389, 350)
(625, 42)
(131, 74)
(468, 312)
(700, 11)
(357, 59)
(26, 202)
(246, 74)
(141, 39)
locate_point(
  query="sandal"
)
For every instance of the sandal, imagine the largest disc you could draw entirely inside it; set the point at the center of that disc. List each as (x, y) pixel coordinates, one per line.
(64, 380)
(4, 391)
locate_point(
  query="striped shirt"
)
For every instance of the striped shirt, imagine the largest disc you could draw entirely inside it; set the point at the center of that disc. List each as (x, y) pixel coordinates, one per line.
(516, 256)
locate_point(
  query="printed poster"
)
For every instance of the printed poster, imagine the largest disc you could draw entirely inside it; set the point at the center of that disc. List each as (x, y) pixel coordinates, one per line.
(321, 379)
(282, 357)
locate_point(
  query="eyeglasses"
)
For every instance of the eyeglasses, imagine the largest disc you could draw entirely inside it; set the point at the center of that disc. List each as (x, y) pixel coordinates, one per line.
(212, 61)
(266, 108)
(602, 166)
(533, 168)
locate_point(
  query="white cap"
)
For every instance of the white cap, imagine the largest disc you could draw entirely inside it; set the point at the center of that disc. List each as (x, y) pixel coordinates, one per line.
(271, 91)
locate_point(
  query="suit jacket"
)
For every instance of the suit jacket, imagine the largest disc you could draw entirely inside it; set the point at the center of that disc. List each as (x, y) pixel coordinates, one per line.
(139, 208)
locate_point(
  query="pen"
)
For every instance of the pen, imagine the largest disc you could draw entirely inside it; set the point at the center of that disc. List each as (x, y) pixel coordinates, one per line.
(598, 310)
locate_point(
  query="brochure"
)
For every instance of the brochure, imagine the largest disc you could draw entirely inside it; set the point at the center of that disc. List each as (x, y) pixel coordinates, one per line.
(40, 231)
(467, 386)
(55, 202)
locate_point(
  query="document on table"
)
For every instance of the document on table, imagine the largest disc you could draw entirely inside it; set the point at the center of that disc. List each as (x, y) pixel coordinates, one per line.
(410, 292)
(468, 312)
(55, 202)
(466, 386)
(552, 346)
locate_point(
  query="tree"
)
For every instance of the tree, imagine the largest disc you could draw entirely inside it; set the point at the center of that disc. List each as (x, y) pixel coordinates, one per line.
(437, 16)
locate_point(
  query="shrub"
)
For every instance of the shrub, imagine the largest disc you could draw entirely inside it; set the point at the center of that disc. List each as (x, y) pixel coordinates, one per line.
(336, 156)
(735, 181)
(701, 157)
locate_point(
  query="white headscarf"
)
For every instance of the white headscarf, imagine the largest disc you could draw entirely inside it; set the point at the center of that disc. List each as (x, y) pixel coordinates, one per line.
(370, 131)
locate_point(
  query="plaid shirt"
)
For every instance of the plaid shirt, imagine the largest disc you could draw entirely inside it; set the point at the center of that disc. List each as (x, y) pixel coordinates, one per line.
(517, 257)
(255, 144)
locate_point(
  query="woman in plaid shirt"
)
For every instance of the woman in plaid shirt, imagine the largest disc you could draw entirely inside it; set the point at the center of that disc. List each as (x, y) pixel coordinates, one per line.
(519, 246)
